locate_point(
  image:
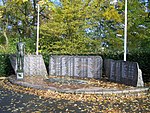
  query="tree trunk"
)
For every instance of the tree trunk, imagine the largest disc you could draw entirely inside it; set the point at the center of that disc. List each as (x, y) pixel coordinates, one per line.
(6, 38)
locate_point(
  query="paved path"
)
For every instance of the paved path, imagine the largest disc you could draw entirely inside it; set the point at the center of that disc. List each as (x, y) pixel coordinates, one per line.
(13, 102)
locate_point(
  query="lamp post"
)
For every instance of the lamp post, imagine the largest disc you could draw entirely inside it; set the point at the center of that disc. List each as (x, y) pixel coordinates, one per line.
(125, 32)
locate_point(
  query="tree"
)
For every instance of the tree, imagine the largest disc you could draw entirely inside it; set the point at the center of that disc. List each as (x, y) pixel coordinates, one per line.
(73, 20)
(18, 19)
(138, 28)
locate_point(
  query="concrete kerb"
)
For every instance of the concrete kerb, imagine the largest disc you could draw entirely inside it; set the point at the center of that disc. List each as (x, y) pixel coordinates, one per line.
(100, 91)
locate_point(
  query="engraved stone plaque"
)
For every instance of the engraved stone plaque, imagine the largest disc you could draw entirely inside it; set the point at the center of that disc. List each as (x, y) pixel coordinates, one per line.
(33, 65)
(52, 67)
(125, 72)
(112, 70)
(91, 67)
(118, 71)
(64, 67)
(78, 66)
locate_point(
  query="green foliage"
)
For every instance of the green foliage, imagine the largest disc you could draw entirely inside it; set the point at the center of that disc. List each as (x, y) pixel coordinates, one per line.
(142, 58)
(77, 45)
(11, 48)
(29, 45)
(5, 66)
(138, 28)
(65, 32)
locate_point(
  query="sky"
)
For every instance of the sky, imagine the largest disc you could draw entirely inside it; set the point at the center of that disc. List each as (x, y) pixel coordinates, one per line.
(1, 2)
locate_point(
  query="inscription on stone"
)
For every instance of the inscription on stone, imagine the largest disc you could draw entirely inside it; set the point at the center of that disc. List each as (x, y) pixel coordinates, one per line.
(63, 66)
(118, 71)
(78, 66)
(52, 66)
(83, 67)
(112, 70)
(90, 68)
(124, 72)
(33, 65)
(70, 66)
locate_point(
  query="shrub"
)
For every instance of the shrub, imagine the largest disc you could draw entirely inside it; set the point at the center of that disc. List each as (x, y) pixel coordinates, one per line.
(5, 65)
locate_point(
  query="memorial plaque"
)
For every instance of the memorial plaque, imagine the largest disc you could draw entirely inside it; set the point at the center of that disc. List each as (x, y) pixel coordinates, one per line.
(125, 72)
(52, 66)
(33, 65)
(90, 69)
(133, 73)
(99, 65)
(77, 68)
(132, 70)
(83, 66)
(64, 66)
(112, 70)
(107, 66)
(118, 71)
(70, 66)
(58, 66)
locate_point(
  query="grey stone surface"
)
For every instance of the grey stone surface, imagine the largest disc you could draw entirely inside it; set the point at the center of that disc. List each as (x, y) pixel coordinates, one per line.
(107, 67)
(77, 66)
(124, 72)
(89, 90)
(13, 61)
(33, 65)
(140, 79)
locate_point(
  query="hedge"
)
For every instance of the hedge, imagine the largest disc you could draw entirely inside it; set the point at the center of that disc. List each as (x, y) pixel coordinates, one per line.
(5, 65)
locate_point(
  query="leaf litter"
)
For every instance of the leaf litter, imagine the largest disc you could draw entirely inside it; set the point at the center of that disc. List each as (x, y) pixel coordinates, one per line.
(61, 102)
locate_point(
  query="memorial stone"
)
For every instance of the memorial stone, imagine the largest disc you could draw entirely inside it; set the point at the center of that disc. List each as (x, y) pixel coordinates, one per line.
(52, 67)
(64, 67)
(118, 71)
(33, 65)
(70, 62)
(112, 70)
(90, 68)
(77, 66)
(124, 72)
(107, 67)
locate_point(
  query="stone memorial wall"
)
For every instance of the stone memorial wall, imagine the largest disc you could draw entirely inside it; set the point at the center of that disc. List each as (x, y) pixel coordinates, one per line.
(77, 66)
(123, 72)
(33, 65)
